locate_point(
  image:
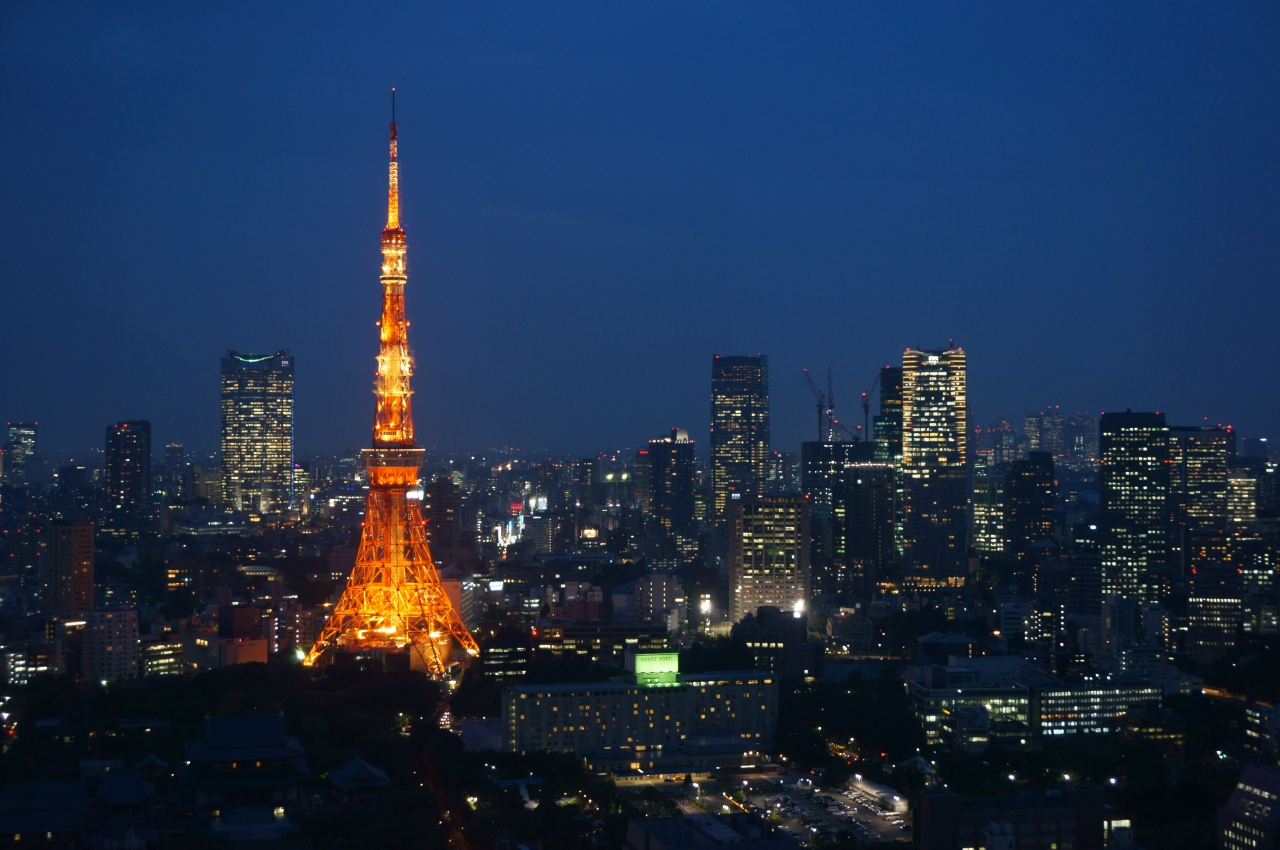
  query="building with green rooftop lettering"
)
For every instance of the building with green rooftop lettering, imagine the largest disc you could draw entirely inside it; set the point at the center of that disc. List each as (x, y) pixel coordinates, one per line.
(652, 719)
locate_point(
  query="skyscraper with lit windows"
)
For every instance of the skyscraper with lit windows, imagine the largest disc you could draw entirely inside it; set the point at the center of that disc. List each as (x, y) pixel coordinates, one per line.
(68, 569)
(1134, 503)
(128, 465)
(935, 467)
(739, 427)
(768, 554)
(1082, 443)
(1200, 459)
(1028, 503)
(19, 446)
(257, 431)
(128, 479)
(671, 482)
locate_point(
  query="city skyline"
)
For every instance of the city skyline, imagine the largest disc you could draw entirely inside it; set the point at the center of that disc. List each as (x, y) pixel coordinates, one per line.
(940, 176)
(532, 541)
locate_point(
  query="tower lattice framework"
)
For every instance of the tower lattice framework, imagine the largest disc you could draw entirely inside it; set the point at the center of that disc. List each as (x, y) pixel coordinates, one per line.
(394, 601)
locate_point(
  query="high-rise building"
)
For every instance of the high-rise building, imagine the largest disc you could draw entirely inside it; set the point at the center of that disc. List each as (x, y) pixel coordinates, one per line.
(20, 445)
(988, 534)
(1199, 460)
(1134, 503)
(768, 554)
(1082, 443)
(206, 483)
(175, 469)
(257, 431)
(998, 441)
(935, 467)
(128, 465)
(643, 496)
(68, 569)
(111, 645)
(174, 455)
(822, 479)
(739, 427)
(586, 480)
(1266, 474)
(1242, 502)
(1045, 432)
(1084, 570)
(868, 523)
(442, 509)
(886, 430)
(1028, 503)
(671, 483)
(1215, 612)
(783, 474)
(822, 470)
(74, 495)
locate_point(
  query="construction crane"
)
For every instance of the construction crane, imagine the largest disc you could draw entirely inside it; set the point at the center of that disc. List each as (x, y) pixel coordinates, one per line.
(822, 403)
(866, 408)
(826, 407)
(829, 427)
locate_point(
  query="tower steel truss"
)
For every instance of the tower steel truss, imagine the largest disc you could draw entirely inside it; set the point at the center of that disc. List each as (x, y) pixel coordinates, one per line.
(394, 601)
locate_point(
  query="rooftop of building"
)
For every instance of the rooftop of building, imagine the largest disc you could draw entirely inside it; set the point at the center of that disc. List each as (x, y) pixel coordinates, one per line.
(252, 737)
(682, 679)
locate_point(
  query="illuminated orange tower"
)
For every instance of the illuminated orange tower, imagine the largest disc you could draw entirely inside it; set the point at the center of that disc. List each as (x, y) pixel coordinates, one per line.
(394, 602)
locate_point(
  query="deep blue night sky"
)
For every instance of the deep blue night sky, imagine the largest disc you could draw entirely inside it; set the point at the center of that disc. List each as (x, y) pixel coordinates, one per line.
(598, 197)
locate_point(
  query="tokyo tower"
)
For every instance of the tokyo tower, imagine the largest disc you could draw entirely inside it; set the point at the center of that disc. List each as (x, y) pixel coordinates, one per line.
(394, 602)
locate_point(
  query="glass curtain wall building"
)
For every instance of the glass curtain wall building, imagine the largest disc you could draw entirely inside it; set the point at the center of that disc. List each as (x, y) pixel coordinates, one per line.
(935, 467)
(257, 432)
(1134, 503)
(739, 427)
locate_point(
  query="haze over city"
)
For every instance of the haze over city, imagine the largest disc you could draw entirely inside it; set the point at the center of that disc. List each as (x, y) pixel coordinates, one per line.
(600, 198)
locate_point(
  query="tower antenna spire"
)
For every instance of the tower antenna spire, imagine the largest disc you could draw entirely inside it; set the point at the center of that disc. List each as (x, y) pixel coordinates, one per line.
(393, 176)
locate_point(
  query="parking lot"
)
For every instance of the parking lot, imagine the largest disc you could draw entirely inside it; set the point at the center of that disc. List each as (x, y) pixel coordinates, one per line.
(806, 813)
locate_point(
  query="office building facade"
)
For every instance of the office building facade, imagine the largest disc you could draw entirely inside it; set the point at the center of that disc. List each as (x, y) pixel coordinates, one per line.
(257, 432)
(1088, 708)
(988, 517)
(869, 523)
(1134, 503)
(1028, 503)
(739, 427)
(1082, 443)
(1199, 462)
(657, 713)
(935, 467)
(20, 445)
(111, 645)
(1046, 432)
(128, 466)
(1250, 819)
(768, 554)
(671, 483)
(68, 569)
